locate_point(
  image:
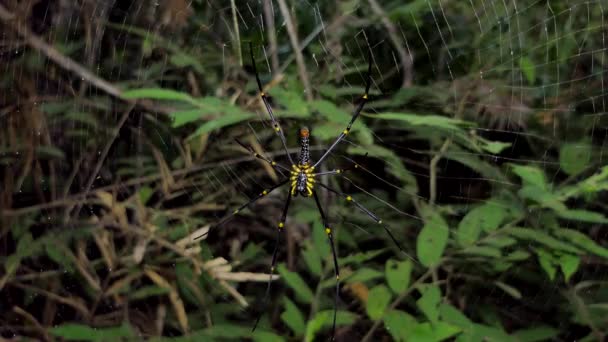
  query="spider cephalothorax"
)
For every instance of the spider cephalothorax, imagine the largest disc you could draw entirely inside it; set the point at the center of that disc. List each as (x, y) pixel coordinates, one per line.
(302, 176)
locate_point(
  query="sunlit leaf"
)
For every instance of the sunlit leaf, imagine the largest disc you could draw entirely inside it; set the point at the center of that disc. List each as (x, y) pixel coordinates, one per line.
(158, 94)
(531, 175)
(398, 275)
(487, 217)
(432, 240)
(399, 324)
(364, 274)
(377, 301)
(295, 282)
(582, 241)
(528, 69)
(429, 302)
(574, 157)
(569, 264)
(512, 291)
(293, 317)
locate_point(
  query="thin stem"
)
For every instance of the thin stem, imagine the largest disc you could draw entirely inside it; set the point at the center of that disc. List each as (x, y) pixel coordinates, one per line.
(433, 171)
(235, 23)
(293, 37)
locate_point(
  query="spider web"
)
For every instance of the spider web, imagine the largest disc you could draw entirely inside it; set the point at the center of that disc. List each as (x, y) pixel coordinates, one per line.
(528, 75)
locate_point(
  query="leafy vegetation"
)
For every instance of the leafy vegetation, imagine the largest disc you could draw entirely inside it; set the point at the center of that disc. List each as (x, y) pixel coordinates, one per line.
(482, 148)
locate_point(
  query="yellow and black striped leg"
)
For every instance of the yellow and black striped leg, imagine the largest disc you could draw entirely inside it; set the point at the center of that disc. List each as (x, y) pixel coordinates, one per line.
(275, 124)
(274, 164)
(277, 242)
(358, 110)
(250, 202)
(330, 237)
(370, 214)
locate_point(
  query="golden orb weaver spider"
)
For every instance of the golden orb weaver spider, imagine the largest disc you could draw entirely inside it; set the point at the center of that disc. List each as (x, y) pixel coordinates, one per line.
(302, 182)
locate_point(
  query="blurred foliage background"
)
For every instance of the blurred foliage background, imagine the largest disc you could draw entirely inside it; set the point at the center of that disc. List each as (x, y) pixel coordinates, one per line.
(482, 148)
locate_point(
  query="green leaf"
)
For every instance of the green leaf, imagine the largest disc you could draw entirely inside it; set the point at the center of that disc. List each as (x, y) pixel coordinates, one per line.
(582, 215)
(569, 264)
(323, 319)
(495, 147)
(510, 290)
(293, 317)
(399, 324)
(435, 121)
(432, 240)
(547, 263)
(398, 275)
(359, 258)
(364, 274)
(223, 121)
(528, 69)
(487, 217)
(312, 259)
(574, 158)
(542, 238)
(486, 251)
(293, 280)
(542, 333)
(531, 175)
(183, 117)
(377, 301)
(145, 193)
(582, 241)
(56, 250)
(79, 332)
(148, 291)
(429, 302)
(428, 332)
(158, 94)
(450, 314)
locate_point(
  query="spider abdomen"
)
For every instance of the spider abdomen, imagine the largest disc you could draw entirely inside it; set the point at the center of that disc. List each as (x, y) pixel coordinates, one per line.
(302, 180)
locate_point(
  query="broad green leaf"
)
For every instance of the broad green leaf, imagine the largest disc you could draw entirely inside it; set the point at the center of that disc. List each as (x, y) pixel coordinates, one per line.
(56, 250)
(312, 259)
(183, 117)
(547, 263)
(518, 255)
(450, 314)
(399, 324)
(299, 286)
(377, 301)
(79, 332)
(432, 240)
(432, 332)
(487, 333)
(569, 264)
(510, 290)
(499, 241)
(364, 274)
(429, 302)
(337, 119)
(582, 241)
(222, 121)
(536, 334)
(487, 217)
(582, 215)
(486, 251)
(574, 157)
(324, 319)
(542, 238)
(531, 175)
(435, 121)
(293, 317)
(398, 275)
(495, 147)
(528, 69)
(158, 94)
(294, 103)
(543, 197)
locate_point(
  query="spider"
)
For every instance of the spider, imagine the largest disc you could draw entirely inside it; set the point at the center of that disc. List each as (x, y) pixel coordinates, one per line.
(303, 182)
